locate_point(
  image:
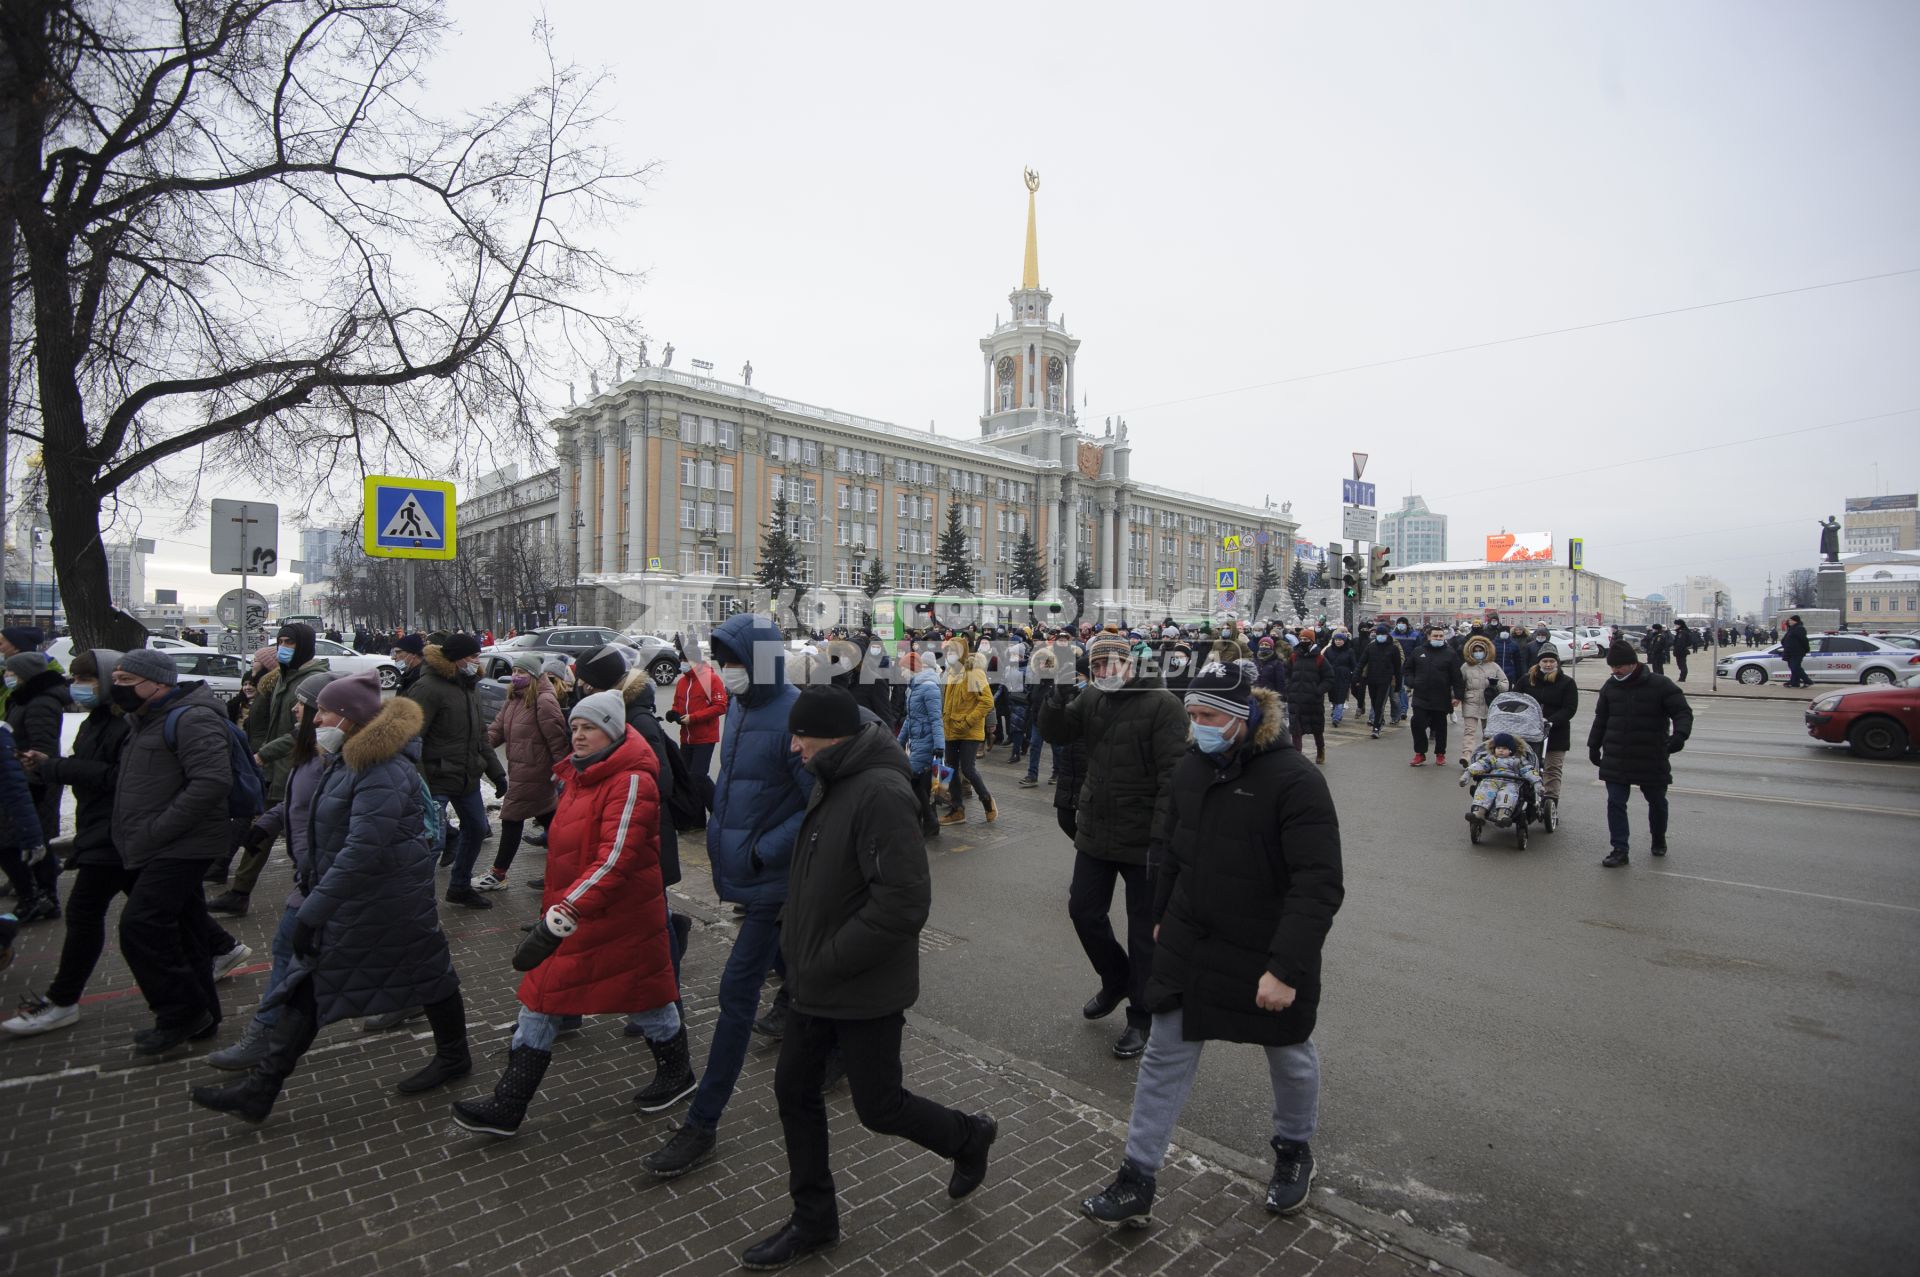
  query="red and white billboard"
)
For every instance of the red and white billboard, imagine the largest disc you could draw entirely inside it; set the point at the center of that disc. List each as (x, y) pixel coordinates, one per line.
(1520, 547)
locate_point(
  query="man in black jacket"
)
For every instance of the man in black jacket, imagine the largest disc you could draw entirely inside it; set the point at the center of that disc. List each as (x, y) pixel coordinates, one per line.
(1683, 643)
(1135, 734)
(1795, 645)
(1639, 719)
(857, 897)
(1436, 687)
(1242, 904)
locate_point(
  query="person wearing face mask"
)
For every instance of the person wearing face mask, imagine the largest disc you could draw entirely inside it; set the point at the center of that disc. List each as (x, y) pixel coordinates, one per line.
(270, 731)
(1309, 683)
(1483, 679)
(1134, 734)
(600, 944)
(858, 898)
(169, 821)
(409, 653)
(966, 703)
(1242, 905)
(923, 735)
(1640, 719)
(1343, 664)
(533, 730)
(1409, 640)
(1508, 654)
(1559, 699)
(1435, 687)
(366, 937)
(1380, 664)
(36, 707)
(91, 771)
(311, 747)
(454, 754)
(699, 705)
(758, 804)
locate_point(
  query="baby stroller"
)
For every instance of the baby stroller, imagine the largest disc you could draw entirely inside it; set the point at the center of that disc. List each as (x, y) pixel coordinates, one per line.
(1516, 715)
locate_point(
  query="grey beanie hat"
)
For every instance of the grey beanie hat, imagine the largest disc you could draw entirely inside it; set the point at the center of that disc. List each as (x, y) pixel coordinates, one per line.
(606, 711)
(528, 661)
(155, 667)
(554, 667)
(26, 665)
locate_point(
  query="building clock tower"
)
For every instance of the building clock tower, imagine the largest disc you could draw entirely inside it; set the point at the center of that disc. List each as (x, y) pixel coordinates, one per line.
(1028, 366)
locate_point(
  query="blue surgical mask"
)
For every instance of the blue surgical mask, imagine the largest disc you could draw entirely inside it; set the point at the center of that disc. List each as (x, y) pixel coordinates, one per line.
(1381, 638)
(1476, 656)
(10, 679)
(1619, 678)
(1211, 740)
(85, 695)
(283, 654)
(1436, 642)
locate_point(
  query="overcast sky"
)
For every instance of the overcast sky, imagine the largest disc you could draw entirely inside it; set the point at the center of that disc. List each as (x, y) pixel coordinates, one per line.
(1251, 195)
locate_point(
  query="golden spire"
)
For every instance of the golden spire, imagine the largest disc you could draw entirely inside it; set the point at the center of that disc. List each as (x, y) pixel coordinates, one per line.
(1030, 273)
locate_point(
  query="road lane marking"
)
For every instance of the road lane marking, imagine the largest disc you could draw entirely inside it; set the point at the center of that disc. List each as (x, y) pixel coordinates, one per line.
(1785, 891)
(1807, 757)
(1791, 802)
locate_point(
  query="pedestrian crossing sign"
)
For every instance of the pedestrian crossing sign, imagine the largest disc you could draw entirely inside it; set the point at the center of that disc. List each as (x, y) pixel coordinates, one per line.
(1231, 544)
(408, 518)
(1226, 579)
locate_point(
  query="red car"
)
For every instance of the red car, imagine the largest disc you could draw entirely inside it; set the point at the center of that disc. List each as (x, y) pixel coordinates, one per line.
(1874, 723)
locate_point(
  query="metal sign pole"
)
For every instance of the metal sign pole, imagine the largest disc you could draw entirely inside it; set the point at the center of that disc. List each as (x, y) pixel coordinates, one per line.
(410, 563)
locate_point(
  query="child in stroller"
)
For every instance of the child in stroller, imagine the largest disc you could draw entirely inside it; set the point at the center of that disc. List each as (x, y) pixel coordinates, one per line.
(1497, 773)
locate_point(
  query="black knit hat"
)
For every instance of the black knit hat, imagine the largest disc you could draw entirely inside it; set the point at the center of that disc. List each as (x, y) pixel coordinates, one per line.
(826, 710)
(459, 647)
(1224, 686)
(1620, 652)
(605, 669)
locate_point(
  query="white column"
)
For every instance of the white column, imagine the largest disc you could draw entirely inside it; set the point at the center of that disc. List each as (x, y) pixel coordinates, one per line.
(987, 400)
(1105, 549)
(1123, 537)
(565, 473)
(610, 499)
(583, 535)
(636, 495)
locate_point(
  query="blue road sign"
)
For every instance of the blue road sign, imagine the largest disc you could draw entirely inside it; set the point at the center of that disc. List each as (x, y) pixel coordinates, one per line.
(1354, 492)
(409, 518)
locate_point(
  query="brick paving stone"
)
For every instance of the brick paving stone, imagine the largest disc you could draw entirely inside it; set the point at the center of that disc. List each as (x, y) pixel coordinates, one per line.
(108, 1168)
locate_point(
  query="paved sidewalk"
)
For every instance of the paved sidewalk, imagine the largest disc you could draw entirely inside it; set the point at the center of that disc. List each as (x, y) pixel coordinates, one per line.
(107, 1168)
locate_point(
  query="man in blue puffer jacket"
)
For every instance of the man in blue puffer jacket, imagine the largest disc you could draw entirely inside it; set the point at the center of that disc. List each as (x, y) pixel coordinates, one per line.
(758, 804)
(1409, 640)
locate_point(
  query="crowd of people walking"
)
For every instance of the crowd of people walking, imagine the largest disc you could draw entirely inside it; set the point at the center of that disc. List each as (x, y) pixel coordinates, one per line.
(1181, 774)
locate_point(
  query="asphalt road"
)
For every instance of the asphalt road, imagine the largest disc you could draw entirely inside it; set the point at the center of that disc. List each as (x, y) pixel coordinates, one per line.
(1696, 1065)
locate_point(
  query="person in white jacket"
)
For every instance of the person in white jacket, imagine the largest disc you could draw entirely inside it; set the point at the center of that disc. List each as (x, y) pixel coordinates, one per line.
(1484, 681)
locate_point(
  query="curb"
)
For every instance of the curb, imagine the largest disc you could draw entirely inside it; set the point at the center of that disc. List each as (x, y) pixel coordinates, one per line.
(1409, 1240)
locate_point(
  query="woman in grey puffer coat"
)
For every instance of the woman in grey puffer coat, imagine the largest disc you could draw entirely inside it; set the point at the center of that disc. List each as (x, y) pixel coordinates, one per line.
(367, 938)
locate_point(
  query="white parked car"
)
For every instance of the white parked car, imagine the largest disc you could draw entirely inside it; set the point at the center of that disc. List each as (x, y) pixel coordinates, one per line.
(1834, 658)
(61, 649)
(1587, 648)
(342, 659)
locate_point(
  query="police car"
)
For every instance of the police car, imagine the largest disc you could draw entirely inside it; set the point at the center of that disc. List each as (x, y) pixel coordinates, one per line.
(1833, 658)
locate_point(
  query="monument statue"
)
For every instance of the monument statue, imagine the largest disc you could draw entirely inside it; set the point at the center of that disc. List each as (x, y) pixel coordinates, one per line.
(1830, 539)
(593, 382)
(666, 356)
(746, 373)
(643, 353)
(616, 370)
(1033, 180)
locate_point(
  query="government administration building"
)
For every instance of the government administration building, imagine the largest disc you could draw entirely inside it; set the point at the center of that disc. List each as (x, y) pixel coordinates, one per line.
(667, 481)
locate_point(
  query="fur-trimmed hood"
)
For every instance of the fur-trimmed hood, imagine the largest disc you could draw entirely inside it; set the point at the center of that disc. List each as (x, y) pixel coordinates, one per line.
(1477, 642)
(395, 727)
(1271, 733)
(638, 686)
(264, 685)
(436, 660)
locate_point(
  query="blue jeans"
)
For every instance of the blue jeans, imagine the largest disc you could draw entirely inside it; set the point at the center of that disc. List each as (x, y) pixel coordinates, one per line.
(740, 984)
(282, 956)
(1617, 795)
(538, 1030)
(1033, 749)
(1399, 703)
(471, 813)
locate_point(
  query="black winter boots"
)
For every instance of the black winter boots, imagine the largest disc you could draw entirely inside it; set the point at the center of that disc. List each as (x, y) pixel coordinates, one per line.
(450, 1058)
(1128, 1201)
(673, 1078)
(502, 1112)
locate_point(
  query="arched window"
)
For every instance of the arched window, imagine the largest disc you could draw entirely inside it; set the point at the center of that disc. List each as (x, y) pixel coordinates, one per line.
(1031, 362)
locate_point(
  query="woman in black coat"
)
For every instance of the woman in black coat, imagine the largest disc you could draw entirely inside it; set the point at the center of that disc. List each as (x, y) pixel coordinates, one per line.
(1343, 664)
(1309, 683)
(1558, 699)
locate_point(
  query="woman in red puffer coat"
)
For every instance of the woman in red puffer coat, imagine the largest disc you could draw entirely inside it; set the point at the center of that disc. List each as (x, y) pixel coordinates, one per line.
(601, 945)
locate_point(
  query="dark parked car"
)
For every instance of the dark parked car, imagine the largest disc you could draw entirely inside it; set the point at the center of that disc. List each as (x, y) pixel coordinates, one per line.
(576, 642)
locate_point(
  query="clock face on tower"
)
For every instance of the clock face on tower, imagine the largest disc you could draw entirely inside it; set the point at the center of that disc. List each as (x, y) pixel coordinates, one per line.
(1056, 369)
(1005, 368)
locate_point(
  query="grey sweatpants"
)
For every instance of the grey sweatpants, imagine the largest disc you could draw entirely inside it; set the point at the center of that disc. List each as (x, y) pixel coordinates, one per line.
(1166, 1078)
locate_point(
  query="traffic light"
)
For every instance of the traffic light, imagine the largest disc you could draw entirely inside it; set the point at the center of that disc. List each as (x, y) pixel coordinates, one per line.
(1377, 575)
(1350, 574)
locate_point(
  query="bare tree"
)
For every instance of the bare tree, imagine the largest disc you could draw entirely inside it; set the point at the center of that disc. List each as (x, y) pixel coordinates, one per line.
(1800, 589)
(249, 246)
